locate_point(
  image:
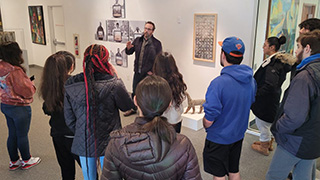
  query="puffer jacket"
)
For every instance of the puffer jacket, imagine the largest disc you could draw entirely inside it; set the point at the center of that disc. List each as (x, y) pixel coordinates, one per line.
(137, 155)
(270, 77)
(15, 86)
(111, 96)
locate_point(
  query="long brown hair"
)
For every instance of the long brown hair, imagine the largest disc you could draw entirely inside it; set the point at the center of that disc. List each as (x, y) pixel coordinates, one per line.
(165, 66)
(153, 96)
(11, 53)
(54, 76)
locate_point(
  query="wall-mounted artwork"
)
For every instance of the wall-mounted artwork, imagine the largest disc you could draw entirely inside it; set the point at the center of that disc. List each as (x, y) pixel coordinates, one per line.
(282, 21)
(118, 31)
(100, 32)
(136, 29)
(7, 36)
(37, 25)
(118, 56)
(1, 26)
(204, 37)
(118, 8)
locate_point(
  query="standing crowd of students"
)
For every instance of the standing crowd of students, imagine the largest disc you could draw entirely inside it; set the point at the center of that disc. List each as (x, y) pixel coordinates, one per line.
(85, 119)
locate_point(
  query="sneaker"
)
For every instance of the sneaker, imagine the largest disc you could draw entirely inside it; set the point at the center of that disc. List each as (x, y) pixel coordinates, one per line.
(30, 163)
(14, 165)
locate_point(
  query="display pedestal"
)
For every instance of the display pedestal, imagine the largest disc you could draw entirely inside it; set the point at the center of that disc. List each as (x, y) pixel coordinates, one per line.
(193, 121)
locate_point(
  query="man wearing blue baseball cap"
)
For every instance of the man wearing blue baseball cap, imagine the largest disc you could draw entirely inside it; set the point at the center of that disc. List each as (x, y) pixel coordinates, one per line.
(228, 101)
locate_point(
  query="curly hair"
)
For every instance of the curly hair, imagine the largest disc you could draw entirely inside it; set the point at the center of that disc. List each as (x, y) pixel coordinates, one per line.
(165, 66)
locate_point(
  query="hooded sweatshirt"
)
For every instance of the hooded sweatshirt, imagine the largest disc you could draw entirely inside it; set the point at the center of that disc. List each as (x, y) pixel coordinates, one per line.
(228, 101)
(15, 86)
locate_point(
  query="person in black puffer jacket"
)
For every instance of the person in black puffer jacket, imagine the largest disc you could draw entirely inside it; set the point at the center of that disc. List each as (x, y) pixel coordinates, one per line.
(91, 106)
(269, 77)
(149, 148)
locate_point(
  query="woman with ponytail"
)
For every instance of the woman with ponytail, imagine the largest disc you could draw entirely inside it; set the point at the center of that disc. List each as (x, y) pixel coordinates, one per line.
(165, 66)
(91, 106)
(150, 148)
(269, 77)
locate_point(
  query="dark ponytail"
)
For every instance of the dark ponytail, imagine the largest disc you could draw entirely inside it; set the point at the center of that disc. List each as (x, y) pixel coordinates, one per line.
(153, 96)
(276, 42)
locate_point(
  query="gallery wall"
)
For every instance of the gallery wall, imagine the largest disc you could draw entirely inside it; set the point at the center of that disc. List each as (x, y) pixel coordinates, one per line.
(174, 28)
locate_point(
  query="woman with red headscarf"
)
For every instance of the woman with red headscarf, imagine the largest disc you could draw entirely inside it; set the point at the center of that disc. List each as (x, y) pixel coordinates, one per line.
(91, 105)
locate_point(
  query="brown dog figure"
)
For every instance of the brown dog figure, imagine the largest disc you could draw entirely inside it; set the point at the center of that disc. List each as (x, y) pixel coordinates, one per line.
(193, 103)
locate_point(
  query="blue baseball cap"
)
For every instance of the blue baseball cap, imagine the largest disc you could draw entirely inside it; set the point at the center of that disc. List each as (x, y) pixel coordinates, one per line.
(231, 44)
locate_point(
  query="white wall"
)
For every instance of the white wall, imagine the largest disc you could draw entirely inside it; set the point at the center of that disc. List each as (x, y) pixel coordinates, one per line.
(235, 18)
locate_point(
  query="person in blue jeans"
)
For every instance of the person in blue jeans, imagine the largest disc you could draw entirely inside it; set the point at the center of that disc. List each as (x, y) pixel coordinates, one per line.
(297, 129)
(16, 94)
(92, 101)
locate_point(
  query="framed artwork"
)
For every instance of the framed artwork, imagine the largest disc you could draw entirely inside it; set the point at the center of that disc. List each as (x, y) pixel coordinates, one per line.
(118, 8)
(1, 26)
(136, 29)
(118, 56)
(100, 32)
(282, 21)
(7, 36)
(204, 37)
(118, 31)
(37, 25)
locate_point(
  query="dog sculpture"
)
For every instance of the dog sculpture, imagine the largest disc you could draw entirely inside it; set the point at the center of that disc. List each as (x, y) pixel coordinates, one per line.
(192, 103)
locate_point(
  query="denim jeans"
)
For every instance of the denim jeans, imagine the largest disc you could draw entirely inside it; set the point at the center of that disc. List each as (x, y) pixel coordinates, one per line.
(264, 128)
(18, 122)
(91, 172)
(283, 162)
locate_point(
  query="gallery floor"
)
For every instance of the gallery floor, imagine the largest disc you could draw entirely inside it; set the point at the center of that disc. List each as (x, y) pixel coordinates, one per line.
(253, 166)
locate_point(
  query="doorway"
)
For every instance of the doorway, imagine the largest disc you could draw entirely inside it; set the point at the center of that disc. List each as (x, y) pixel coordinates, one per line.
(57, 27)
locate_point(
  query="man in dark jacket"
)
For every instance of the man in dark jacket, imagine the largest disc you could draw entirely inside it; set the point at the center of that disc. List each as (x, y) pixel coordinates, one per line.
(146, 48)
(297, 129)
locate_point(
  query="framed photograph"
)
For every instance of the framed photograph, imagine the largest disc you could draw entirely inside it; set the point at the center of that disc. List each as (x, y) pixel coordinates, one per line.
(118, 56)
(283, 22)
(7, 36)
(118, 31)
(100, 32)
(136, 29)
(204, 37)
(37, 25)
(118, 8)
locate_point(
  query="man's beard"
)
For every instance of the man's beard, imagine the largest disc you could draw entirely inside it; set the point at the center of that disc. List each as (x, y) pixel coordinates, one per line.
(299, 57)
(146, 35)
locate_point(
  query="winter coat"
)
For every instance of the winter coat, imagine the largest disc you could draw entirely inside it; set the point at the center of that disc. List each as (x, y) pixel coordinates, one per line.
(15, 86)
(135, 154)
(111, 96)
(297, 128)
(152, 48)
(270, 77)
